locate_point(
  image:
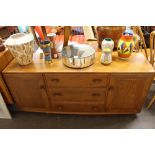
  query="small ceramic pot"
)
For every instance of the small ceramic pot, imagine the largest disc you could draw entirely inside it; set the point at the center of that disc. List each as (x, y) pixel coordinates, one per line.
(125, 45)
(107, 48)
(21, 46)
(46, 47)
(107, 43)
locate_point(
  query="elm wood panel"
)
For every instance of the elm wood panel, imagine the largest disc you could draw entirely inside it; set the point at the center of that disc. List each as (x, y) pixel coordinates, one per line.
(8, 98)
(78, 107)
(77, 94)
(127, 92)
(76, 80)
(136, 64)
(28, 90)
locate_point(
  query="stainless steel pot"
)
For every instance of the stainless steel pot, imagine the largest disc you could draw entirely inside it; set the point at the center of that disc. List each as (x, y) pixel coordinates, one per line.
(78, 55)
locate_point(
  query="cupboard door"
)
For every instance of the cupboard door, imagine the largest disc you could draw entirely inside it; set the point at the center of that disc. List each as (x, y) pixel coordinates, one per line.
(127, 92)
(28, 91)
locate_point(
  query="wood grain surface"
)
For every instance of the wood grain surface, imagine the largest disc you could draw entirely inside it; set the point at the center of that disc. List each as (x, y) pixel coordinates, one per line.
(137, 63)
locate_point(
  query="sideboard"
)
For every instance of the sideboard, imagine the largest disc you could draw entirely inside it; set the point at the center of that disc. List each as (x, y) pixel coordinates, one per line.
(118, 88)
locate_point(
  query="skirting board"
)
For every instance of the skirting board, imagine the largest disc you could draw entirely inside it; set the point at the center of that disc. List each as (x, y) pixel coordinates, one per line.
(4, 113)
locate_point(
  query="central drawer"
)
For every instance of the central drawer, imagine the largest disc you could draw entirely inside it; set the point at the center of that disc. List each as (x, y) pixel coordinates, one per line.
(81, 80)
(77, 94)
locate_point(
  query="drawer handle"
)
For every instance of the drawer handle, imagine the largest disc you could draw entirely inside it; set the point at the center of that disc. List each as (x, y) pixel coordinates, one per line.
(60, 107)
(55, 80)
(97, 80)
(42, 87)
(96, 94)
(57, 94)
(111, 88)
(94, 108)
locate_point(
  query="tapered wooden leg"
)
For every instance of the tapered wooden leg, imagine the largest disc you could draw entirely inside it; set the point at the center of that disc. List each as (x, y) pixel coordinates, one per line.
(151, 102)
(44, 32)
(66, 35)
(143, 40)
(34, 35)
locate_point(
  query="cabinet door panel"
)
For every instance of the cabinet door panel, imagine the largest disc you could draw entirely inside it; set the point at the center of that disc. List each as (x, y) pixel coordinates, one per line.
(28, 91)
(127, 92)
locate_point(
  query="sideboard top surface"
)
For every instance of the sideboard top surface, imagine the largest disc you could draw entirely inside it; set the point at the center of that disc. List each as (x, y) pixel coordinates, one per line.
(136, 64)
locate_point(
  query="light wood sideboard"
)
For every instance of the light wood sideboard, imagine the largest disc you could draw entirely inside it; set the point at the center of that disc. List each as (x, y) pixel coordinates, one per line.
(119, 88)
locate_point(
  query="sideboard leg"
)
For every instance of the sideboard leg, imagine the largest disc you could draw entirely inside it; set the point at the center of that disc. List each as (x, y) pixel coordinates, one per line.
(151, 103)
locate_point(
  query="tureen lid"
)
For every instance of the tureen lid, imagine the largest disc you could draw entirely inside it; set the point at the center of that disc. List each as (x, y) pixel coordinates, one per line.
(80, 50)
(19, 38)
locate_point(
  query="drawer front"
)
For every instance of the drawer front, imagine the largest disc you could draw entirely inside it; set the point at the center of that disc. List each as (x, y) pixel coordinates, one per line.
(79, 107)
(77, 94)
(76, 80)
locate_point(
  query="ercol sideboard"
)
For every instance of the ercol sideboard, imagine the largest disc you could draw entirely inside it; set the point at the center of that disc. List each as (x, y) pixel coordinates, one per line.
(119, 88)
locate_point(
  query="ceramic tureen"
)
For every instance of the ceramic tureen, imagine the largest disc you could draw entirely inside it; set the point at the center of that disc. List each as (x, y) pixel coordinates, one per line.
(21, 46)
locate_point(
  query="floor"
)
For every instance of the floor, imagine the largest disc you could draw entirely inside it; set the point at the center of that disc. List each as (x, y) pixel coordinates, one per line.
(25, 120)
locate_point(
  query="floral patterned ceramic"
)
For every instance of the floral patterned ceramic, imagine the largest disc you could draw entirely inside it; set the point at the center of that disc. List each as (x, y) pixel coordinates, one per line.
(21, 46)
(126, 45)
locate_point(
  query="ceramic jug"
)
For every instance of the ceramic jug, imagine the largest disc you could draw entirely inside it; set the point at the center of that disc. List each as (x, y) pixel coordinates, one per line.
(126, 45)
